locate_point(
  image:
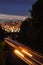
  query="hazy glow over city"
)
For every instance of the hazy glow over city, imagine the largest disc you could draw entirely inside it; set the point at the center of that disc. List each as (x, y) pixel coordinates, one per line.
(4, 16)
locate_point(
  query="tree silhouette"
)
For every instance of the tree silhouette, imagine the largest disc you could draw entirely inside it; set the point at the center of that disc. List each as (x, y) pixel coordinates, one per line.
(37, 15)
(37, 10)
(2, 33)
(31, 32)
(25, 35)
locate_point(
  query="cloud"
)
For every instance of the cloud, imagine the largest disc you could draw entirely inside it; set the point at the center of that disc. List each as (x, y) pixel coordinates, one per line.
(10, 17)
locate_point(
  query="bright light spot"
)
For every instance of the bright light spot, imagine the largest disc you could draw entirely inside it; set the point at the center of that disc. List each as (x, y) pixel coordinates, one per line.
(27, 53)
(12, 30)
(19, 53)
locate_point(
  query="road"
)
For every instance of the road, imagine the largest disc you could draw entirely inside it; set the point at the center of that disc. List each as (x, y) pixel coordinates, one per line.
(23, 52)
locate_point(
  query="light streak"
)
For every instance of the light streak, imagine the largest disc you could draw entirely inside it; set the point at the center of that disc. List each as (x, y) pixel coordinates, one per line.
(26, 53)
(19, 53)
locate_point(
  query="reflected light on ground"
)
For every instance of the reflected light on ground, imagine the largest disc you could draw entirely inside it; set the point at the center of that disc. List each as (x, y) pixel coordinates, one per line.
(19, 53)
(20, 47)
(26, 53)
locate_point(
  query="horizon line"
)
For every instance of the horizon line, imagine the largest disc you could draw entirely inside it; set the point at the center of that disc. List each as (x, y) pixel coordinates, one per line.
(7, 16)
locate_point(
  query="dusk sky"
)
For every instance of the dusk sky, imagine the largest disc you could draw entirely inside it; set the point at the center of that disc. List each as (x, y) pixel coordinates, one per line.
(16, 7)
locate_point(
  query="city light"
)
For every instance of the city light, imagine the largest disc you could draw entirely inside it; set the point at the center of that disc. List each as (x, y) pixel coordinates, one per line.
(14, 27)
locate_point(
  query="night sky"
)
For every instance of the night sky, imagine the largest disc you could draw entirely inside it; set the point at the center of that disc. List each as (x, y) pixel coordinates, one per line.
(16, 7)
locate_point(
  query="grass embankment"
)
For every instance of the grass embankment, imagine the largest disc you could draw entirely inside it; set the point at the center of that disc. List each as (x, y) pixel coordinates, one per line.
(2, 55)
